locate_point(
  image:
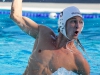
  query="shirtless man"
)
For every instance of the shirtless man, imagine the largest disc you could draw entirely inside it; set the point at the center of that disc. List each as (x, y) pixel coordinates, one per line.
(50, 51)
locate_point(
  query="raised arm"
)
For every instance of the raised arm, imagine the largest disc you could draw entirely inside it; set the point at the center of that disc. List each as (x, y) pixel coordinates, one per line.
(26, 24)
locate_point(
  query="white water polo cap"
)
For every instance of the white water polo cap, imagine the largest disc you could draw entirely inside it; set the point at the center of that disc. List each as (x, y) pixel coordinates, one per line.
(66, 14)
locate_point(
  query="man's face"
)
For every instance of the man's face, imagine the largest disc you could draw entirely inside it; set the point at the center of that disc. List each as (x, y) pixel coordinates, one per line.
(73, 27)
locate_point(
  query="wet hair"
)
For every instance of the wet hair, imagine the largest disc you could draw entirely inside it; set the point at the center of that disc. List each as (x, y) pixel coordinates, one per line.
(80, 45)
(58, 29)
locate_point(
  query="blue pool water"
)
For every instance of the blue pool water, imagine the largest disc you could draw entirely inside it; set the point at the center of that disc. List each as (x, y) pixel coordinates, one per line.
(16, 46)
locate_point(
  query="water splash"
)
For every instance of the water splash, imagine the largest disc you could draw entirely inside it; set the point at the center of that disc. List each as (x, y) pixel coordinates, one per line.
(63, 71)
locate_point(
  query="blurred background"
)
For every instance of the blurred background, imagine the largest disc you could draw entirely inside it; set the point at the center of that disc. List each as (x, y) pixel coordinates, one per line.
(59, 1)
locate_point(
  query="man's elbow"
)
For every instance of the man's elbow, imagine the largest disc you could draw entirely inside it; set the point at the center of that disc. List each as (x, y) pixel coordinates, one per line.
(15, 18)
(12, 13)
(11, 16)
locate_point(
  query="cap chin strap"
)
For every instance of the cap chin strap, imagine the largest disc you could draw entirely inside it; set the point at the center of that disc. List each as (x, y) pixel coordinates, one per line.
(63, 31)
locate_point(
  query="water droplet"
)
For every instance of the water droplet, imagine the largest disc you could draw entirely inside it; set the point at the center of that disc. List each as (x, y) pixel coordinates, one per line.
(29, 32)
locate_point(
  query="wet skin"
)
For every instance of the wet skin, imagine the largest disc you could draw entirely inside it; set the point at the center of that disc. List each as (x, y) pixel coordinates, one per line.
(51, 52)
(46, 58)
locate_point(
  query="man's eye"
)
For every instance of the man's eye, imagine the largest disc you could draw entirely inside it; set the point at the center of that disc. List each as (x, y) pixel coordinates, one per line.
(81, 22)
(73, 21)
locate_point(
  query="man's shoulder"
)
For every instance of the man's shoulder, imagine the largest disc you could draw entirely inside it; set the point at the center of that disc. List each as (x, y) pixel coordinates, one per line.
(43, 28)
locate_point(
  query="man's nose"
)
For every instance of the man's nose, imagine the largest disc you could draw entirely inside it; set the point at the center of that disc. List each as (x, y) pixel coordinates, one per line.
(77, 25)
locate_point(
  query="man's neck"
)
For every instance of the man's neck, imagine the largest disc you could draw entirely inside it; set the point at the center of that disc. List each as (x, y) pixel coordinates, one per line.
(62, 41)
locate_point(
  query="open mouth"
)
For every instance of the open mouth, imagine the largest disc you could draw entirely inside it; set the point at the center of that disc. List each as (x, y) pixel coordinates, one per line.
(76, 32)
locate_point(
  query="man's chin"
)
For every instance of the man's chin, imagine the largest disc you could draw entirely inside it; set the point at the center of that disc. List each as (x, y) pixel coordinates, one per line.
(75, 37)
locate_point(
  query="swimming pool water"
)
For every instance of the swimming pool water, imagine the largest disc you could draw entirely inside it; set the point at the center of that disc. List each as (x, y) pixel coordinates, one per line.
(16, 46)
